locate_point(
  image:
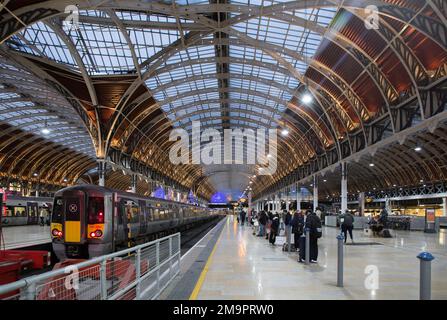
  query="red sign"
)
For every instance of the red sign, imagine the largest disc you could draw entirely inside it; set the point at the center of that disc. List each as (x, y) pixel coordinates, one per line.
(430, 215)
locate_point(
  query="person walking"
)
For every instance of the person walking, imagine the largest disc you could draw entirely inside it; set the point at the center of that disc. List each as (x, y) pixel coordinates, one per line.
(297, 224)
(313, 223)
(269, 224)
(347, 225)
(274, 228)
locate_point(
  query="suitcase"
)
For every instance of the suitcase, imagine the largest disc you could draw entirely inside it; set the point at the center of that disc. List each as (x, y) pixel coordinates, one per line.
(285, 247)
(302, 247)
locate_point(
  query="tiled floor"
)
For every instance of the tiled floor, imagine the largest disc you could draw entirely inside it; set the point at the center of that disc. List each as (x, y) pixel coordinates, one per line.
(25, 236)
(248, 267)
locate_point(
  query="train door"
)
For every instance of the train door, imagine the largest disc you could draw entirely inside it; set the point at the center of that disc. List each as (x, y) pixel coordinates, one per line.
(32, 212)
(143, 221)
(74, 206)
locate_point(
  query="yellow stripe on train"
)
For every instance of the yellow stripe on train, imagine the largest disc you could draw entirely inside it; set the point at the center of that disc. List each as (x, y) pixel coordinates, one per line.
(72, 231)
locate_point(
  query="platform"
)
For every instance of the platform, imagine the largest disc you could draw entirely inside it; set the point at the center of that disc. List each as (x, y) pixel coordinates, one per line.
(242, 266)
(25, 236)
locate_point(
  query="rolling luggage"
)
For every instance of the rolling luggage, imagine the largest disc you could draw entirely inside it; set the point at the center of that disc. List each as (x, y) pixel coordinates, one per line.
(386, 233)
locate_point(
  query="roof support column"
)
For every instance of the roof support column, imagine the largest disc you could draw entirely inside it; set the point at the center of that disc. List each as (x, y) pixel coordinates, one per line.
(362, 203)
(102, 166)
(133, 183)
(249, 206)
(298, 197)
(315, 192)
(444, 207)
(287, 199)
(344, 187)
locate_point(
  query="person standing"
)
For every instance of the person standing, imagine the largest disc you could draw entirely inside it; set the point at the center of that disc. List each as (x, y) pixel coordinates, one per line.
(313, 223)
(262, 223)
(348, 225)
(242, 216)
(297, 224)
(287, 223)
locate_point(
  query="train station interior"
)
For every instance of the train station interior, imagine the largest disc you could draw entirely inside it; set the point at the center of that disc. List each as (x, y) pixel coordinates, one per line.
(223, 150)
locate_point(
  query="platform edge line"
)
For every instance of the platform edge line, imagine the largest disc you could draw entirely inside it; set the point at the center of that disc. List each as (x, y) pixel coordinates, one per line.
(202, 276)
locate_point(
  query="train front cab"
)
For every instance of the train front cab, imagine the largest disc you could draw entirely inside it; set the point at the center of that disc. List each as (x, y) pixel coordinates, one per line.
(78, 226)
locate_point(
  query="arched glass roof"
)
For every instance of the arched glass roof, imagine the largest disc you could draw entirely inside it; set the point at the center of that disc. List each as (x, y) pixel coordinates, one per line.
(27, 103)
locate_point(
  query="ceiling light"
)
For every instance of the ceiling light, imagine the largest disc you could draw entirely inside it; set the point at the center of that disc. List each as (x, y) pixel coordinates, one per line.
(35, 174)
(285, 132)
(306, 98)
(254, 176)
(269, 155)
(45, 131)
(65, 180)
(371, 164)
(324, 180)
(417, 149)
(251, 182)
(421, 180)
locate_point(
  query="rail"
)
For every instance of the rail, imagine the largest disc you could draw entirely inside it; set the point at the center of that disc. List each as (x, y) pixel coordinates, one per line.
(140, 272)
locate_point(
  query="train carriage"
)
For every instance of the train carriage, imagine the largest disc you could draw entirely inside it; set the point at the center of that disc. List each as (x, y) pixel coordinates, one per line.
(89, 221)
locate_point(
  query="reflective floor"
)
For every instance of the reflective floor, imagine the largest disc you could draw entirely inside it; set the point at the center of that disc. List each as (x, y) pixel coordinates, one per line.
(248, 267)
(25, 236)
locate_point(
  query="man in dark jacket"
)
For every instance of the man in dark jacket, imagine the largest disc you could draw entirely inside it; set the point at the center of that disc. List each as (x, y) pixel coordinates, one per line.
(274, 228)
(313, 223)
(297, 227)
(347, 225)
(262, 222)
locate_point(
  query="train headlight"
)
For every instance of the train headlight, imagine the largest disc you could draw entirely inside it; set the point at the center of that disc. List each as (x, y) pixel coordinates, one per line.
(96, 234)
(56, 233)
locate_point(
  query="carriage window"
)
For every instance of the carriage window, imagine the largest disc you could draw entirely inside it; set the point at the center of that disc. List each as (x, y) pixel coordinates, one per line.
(57, 210)
(20, 211)
(95, 210)
(156, 214)
(9, 211)
(132, 212)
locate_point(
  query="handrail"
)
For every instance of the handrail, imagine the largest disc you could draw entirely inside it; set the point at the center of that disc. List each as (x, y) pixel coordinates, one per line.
(30, 281)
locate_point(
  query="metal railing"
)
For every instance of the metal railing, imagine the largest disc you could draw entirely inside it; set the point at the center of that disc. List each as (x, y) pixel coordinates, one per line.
(140, 272)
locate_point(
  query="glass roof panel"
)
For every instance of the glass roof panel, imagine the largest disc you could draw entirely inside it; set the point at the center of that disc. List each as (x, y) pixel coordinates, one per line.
(40, 39)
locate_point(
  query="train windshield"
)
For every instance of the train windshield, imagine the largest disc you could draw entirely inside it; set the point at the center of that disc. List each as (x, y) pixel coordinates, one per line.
(58, 209)
(95, 210)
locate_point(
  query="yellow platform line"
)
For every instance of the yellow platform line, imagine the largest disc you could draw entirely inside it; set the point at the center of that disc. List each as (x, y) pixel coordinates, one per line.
(201, 279)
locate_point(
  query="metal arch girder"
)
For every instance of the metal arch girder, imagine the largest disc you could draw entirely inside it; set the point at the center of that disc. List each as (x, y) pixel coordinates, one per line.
(25, 143)
(74, 102)
(244, 119)
(269, 49)
(440, 8)
(220, 76)
(228, 100)
(52, 155)
(297, 56)
(63, 168)
(126, 36)
(88, 81)
(146, 145)
(434, 30)
(409, 61)
(358, 106)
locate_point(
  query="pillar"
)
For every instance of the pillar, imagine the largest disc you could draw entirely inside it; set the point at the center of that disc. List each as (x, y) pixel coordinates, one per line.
(133, 183)
(102, 173)
(298, 197)
(362, 203)
(444, 207)
(287, 199)
(315, 193)
(344, 187)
